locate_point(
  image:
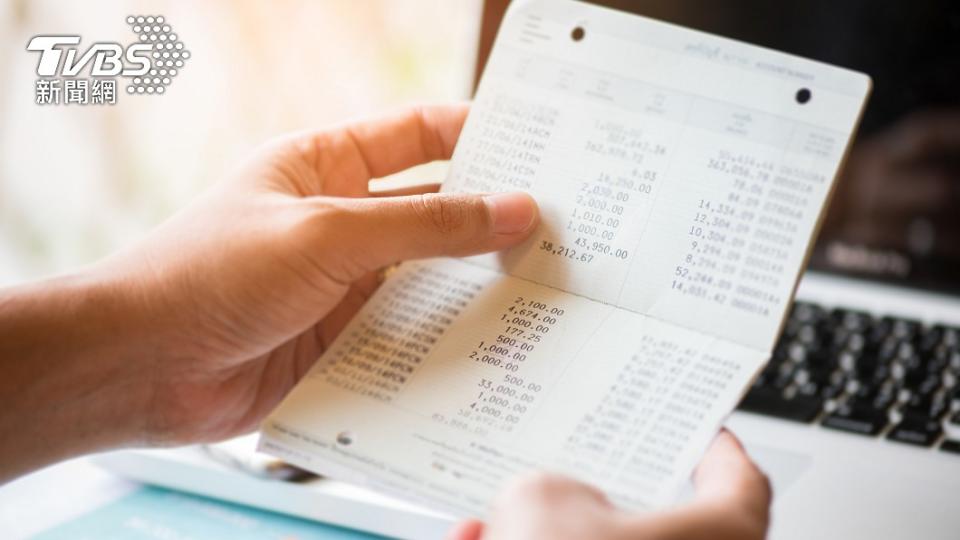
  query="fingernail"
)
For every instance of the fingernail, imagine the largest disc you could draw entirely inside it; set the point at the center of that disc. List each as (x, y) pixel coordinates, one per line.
(511, 213)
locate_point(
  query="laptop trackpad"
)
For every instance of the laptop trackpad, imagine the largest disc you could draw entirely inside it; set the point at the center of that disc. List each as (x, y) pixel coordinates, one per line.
(783, 467)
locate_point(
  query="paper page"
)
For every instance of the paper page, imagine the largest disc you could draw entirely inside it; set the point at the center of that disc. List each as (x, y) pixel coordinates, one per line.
(454, 378)
(679, 178)
(677, 165)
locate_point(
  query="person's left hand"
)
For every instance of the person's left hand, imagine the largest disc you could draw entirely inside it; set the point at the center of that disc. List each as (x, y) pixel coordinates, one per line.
(197, 332)
(732, 502)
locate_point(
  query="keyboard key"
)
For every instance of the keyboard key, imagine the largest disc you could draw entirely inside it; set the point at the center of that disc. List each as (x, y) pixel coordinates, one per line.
(899, 329)
(916, 429)
(950, 446)
(922, 399)
(853, 321)
(805, 312)
(953, 361)
(770, 402)
(930, 383)
(861, 374)
(884, 398)
(937, 365)
(950, 337)
(940, 338)
(835, 384)
(952, 426)
(857, 418)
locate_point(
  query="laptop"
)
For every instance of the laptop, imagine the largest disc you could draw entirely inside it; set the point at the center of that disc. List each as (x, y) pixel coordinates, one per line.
(857, 417)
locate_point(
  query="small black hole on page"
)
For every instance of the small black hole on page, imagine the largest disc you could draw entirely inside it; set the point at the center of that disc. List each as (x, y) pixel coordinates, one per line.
(803, 95)
(577, 33)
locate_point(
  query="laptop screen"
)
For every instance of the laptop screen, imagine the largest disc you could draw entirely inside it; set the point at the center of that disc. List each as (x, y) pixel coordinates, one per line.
(896, 214)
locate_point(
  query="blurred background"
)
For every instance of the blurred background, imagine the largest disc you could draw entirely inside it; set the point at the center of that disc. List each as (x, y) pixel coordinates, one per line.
(77, 182)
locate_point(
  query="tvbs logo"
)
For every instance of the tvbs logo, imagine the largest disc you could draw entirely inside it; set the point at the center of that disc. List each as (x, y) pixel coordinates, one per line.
(148, 64)
(107, 57)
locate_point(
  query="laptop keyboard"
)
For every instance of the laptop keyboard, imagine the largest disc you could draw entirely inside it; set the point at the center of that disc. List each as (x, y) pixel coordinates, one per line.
(872, 376)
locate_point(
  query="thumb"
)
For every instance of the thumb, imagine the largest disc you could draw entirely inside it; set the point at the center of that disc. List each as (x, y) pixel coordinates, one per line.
(381, 231)
(727, 474)
(732, 500)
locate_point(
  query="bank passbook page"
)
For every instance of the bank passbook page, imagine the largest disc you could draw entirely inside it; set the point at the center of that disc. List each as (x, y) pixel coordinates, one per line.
(680, 178)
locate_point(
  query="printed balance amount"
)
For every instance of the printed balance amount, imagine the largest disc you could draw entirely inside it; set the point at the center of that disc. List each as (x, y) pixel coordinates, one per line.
(527, 322)
(502, 399)
(598, 216)
(583, 255)
(499, 404)
(708, 264)
(735, 256)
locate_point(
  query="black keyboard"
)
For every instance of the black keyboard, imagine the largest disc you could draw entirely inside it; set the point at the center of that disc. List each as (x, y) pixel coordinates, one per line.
(872, 376)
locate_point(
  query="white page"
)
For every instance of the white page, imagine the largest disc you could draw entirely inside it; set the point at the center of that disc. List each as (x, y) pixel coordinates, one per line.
(679, 182)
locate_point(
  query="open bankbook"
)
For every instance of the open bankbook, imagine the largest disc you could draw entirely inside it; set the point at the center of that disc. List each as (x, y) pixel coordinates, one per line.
(680, 177)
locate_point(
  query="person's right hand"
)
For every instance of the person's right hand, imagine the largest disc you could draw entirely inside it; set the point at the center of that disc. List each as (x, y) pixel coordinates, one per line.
(196, 332)
(732, 502)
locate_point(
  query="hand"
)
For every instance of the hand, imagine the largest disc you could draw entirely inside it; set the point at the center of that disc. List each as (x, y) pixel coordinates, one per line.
(732, 502)
(197, 332)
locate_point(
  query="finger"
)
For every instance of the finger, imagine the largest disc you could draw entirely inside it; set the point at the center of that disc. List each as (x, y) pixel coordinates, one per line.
(550, 490)
(352, 154)
(376, 232)
(470, 529)
(417, 135)
(732, 500)
(726, 474)
(406, 191)
(547, 505)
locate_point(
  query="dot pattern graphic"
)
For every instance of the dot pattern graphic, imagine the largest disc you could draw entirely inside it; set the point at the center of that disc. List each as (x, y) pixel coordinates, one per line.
(167, 54)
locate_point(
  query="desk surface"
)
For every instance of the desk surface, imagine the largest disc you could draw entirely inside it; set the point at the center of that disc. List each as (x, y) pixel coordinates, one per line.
(46, 498)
